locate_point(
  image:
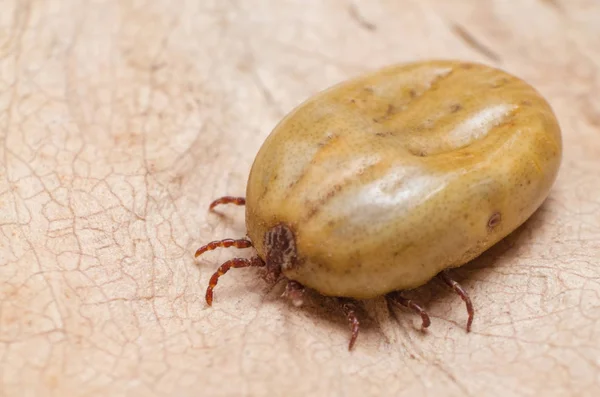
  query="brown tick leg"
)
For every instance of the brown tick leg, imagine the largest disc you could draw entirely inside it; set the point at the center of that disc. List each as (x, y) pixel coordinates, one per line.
(349, 309)
(445, 276)
(227, 200)
(294, 291)
(228, 242)
(224, 268)
(409, 303)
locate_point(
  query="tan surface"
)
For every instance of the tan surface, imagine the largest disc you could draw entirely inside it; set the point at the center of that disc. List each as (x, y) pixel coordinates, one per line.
(121, 120)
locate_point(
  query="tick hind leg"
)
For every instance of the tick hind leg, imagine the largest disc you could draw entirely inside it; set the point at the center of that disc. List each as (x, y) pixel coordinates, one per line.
(398, 299)
(349, 309)
(445, 276)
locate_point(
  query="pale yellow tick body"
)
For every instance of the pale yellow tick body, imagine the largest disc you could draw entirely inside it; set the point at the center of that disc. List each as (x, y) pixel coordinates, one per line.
(390, 178)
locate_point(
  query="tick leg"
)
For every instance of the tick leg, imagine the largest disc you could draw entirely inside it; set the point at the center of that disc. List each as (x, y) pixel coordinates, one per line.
(227, 200)
(224, 268)
(349, 309)
(412, 305)
(228, 242)
(294, 291)
(445, 276)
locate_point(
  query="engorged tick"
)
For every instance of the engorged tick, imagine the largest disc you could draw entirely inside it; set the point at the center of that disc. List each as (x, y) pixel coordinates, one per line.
(371, 212)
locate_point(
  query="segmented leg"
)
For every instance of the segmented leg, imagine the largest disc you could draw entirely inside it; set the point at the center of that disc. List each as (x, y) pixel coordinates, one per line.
(445, 276)
(227, 200)
(228, 242)
(349, 308)
(294, 291)
(224, 268)
(412, 305)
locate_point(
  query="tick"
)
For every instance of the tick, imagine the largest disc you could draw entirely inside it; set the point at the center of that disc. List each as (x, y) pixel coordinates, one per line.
(385, 181)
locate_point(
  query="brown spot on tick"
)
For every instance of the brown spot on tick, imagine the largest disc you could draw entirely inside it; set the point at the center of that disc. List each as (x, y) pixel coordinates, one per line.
(494, 220)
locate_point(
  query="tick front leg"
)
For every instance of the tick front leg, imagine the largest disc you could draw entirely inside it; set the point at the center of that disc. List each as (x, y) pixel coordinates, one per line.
(349, 309)
(445, 276)
(224, 268)
(226, 243)
(412, 305)
(227, 200)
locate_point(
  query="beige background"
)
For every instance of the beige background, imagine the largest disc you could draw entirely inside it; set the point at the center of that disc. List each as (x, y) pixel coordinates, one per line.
(121, 121)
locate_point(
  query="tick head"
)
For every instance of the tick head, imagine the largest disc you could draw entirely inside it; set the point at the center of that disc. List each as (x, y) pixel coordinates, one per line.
(280, 247)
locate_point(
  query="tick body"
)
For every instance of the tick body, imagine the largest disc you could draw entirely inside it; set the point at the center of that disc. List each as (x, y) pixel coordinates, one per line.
(380, 183)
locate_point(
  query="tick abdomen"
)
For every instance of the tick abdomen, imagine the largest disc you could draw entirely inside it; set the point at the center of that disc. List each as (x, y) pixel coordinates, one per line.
(390, 178)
